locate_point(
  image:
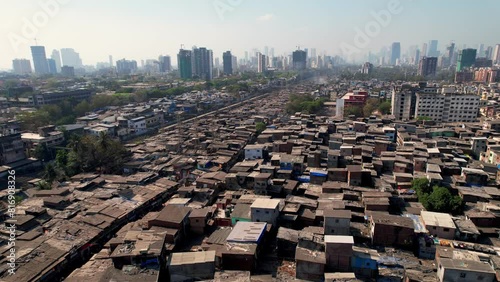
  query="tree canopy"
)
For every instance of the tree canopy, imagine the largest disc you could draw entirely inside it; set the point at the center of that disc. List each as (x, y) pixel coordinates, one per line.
(304, 103)
(437, 198)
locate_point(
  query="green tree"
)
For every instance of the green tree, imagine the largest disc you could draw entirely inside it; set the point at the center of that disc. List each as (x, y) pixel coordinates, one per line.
(44, 185)
(260, 127)
(356, 111)
(82, 108)
(421, 185)
(370, 106)
(42, 152)
(385, 107)
(50, 173)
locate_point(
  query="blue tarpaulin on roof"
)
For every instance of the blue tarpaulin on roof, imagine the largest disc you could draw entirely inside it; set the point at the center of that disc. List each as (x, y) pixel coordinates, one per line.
(304, 178)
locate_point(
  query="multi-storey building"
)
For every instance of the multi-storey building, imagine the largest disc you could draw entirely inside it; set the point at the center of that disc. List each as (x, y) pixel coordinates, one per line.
(39, 60)
(427, 66)
(21, 66)
(447, 106)
(185, 63)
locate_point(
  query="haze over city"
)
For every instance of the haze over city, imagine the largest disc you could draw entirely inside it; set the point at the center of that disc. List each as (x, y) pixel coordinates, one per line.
(249, 140)
(144, 30)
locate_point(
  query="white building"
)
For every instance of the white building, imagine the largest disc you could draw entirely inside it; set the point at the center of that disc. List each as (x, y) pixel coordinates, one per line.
(253, 152)
(265, 210)
(447, 106)
(440, 224)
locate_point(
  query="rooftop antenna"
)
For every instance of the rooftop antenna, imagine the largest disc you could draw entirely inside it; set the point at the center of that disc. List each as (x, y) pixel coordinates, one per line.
(182, 46)
(36, 42)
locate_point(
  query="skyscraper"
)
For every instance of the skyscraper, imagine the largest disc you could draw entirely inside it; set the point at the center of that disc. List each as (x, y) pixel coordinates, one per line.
(466, 58)
(433, 49)
(480, 50)
(203, 63)
(299, 58)
(52, 66)
(111, 61)
(164, 64)
(125, 66)
(70, 58)
(39, 60)
(417, 57)
(56, 56)
(185, 63)
(21, 66)
(427, 66)
(395, 53)
(424, 50)
(227, 61)
(496, 54)
(261, 62)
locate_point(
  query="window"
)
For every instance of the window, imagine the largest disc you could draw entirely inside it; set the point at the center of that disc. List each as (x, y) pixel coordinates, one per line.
(446, 229)
(257, 211)
(462, 274)
(267, 212)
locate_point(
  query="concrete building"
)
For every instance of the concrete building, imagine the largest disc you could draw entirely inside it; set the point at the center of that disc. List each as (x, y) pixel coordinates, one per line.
(338, 252)
(447, 106)
(227, 62)
(67, 71)
(427, 66)
(47, 135)
(165, 64)
(257, 151)
(479, 145)
(52, 66)
(466, 58)
(454, 270)
(299, 59)
(39, 60)
(185, 63)
(191, 266)
(395, 53)
(261, 62)
(56, 56)
(337, 222)
(124, 67)
(439, 224)
(310, 264)
(265, 210)
(203, 63)
(21, 66)
(70, 58)
(11, 149)
(391, 230)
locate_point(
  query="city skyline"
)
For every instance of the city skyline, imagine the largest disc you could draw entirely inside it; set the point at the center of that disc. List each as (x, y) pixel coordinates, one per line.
(132, 31)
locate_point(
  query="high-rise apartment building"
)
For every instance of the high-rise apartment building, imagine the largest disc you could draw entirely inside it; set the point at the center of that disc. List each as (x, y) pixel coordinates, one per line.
(52, 66)
(261, 62)
(439, 104)
(21, 66)
(496, 54)
(56, 56)
(165, 64)
(466, 58)
(227, 61)
(299, 58)
(70, 58)
(185, 63)
(433, 49)
(427, 66)
(126, 67)
(395, 53)
(203, 63)
(39, 60)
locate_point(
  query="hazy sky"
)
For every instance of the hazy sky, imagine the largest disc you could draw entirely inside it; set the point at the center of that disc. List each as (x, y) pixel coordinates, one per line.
(145, 29)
